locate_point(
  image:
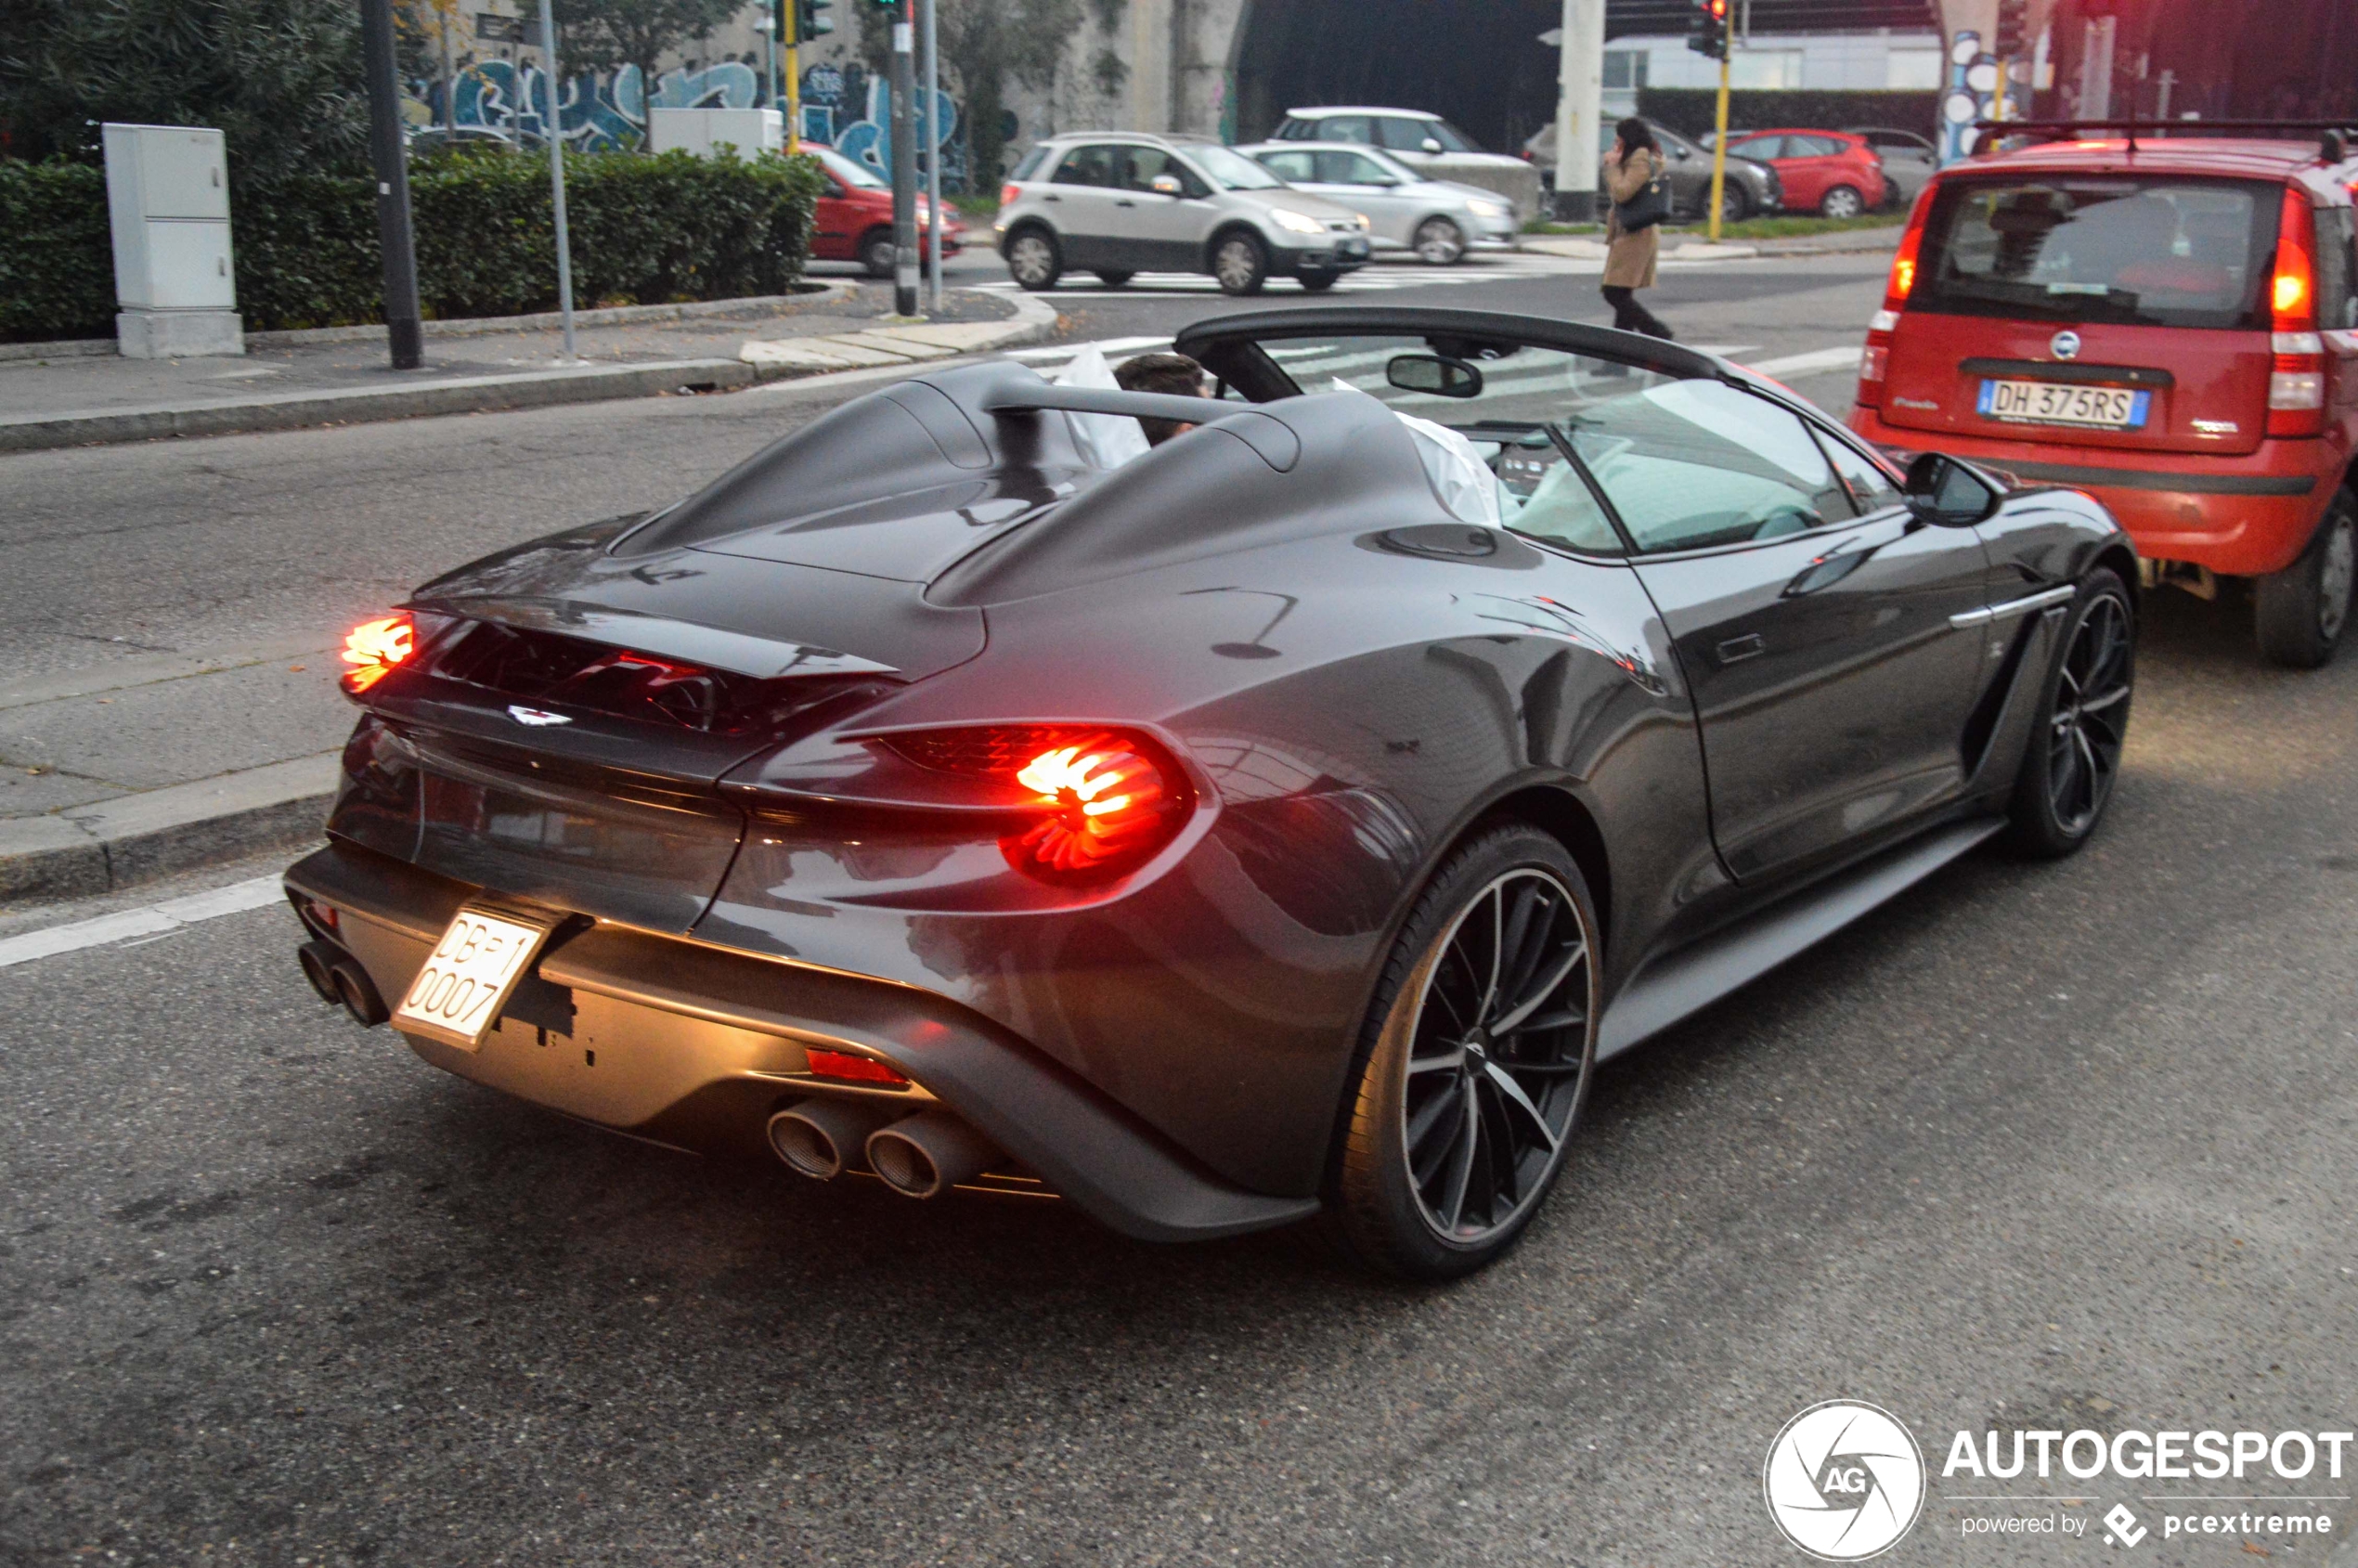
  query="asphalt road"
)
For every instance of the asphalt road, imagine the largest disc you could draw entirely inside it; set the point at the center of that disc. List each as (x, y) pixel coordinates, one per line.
(2067, 1145)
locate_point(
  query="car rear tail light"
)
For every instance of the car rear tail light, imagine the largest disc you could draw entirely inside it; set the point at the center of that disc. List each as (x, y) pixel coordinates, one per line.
(853, 1068)
(1090, 802)
(1875, 358)
(2297, 372)
(1903, 264)
(1008, 192)
(373, 648)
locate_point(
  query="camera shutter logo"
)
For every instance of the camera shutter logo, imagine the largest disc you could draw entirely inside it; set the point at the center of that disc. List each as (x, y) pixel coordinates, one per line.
(1844, 1480)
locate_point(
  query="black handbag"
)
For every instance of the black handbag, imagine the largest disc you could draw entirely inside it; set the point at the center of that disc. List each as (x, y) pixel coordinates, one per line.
(1649, 206)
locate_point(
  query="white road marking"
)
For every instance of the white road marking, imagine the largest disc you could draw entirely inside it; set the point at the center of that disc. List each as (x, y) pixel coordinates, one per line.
(155, 920)
(1844, 357)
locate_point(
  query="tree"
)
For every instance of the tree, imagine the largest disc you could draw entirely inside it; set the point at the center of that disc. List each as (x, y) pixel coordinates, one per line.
(609, 34)
(281, 79)
(986, 46)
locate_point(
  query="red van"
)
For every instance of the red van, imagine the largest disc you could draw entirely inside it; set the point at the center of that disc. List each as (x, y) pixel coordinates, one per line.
(854, 220)
(2171, 325)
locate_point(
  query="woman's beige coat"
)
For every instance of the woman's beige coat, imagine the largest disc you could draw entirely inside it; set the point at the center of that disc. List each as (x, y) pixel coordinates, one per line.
(1629, 258)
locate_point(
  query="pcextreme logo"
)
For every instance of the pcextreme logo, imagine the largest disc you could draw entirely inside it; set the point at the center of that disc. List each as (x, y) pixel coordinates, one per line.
(1844, 1480)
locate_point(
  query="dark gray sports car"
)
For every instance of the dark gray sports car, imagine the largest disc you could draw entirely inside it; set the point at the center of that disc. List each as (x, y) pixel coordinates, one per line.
(1282, 823)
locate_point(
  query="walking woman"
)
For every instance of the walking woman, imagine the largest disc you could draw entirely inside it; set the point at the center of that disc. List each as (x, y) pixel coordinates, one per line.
(1634, 164)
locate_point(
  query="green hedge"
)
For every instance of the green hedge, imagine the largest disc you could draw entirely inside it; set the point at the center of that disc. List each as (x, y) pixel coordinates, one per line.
(56, 263)
(645, 230)
(1692, 111)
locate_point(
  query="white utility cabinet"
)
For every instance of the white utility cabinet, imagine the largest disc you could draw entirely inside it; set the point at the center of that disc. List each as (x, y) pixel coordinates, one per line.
(702, 131)
(174, 279)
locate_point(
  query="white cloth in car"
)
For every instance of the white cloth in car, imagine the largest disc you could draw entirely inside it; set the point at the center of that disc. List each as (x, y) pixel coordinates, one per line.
(1106, 440)
(1463, 481)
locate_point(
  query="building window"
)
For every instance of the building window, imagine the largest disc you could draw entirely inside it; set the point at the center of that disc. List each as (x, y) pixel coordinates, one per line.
(1625, 70)
(1765, 69)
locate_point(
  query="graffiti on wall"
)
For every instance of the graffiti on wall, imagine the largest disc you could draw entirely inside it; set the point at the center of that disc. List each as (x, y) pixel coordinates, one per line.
(843, 106)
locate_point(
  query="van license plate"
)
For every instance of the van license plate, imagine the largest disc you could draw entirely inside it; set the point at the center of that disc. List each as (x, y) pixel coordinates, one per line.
(458, 994)
(2106, 408)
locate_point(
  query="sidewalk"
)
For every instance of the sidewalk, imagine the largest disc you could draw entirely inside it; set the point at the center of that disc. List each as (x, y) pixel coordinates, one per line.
(65, 394)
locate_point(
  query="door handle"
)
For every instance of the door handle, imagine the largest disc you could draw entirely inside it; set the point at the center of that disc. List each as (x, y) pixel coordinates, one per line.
(1739, 648)
(1124, 202)
(1052, 197)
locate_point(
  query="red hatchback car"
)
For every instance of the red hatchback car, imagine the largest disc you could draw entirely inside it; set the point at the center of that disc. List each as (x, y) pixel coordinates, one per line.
(854, 221)
(1831, 172)
(2171, 326)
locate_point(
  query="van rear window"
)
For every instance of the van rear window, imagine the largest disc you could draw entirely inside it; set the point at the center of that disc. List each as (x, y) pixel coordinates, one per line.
(2156, 251)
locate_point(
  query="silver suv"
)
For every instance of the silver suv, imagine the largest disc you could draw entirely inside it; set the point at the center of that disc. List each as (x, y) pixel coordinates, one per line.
(1118, 204)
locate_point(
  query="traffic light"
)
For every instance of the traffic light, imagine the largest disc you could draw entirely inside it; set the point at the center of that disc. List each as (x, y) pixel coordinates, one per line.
(813, 19)
(1710, 34)
(2014, 22)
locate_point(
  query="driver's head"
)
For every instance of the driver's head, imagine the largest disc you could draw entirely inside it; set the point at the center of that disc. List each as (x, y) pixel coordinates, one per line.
(1174, 375)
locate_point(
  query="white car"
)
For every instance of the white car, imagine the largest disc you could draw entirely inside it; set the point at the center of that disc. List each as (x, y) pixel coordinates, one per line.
(1425, 142)
(1439, 220)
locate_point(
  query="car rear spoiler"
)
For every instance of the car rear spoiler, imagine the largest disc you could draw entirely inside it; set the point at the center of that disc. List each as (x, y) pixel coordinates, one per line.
(2335, 137)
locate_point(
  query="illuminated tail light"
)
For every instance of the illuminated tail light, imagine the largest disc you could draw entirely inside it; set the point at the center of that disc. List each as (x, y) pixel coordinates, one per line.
(854, 1069)
(1098, 802)
(1876, 358)
(2296, 371)
(1008, 192)
(373, 648)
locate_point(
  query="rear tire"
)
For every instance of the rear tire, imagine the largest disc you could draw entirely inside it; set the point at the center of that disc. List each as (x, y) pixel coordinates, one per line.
(878, 253)
(1734, 205)
(1033, 260)
(1240, 264)
(2073, 756)
(1842, 201)
(1114, 278)
(2300, 613)
(1473, 1068)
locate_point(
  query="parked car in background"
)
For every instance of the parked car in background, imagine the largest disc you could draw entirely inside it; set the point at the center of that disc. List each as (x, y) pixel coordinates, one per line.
(854, 217)
(1908, 160)
(1118, 204)
(2174, 330)
(1750, 187)
(1425, 142)
(1439, 220)
(1831, 171)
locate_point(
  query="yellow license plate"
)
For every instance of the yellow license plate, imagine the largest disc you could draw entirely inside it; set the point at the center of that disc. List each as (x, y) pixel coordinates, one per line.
(458, 994)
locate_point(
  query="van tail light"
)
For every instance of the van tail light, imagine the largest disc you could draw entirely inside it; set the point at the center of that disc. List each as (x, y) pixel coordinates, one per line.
(1081, 803)
(2297, 372)
(1008, 192)
(373, 648)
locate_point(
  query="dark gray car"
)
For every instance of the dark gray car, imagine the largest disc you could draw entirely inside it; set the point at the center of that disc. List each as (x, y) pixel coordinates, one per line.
(1751, 188)
(1909, 161)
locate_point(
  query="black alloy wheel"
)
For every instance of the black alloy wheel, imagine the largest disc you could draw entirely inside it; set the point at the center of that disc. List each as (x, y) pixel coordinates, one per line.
(2073, 758)
(2300, 613)
(1482, 1050)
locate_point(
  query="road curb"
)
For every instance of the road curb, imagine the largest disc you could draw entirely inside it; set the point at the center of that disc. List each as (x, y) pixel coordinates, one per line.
(137, 838)
(1033, 321)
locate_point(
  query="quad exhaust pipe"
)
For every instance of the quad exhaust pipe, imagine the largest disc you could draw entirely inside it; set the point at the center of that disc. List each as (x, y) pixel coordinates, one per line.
(341, 982)
(920, 1156)
(926, 1154)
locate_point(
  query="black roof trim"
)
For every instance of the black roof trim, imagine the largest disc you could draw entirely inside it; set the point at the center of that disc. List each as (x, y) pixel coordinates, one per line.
(1571, 337)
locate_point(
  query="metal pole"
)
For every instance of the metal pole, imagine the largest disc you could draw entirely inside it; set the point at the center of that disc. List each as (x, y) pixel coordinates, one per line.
(904, 168)
(1579, 108)
(790, 17)
(1718, 142)
(404, 330)
(449, 88)
(554, 130)
(933, 154)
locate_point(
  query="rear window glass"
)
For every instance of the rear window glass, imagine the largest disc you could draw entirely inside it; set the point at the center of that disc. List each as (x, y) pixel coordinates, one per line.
(1031, 165)
(2167, 253)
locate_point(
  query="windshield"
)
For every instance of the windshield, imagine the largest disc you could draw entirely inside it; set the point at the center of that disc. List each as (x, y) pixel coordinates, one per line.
(2157, 252)
(1232, 170)
(849, 171)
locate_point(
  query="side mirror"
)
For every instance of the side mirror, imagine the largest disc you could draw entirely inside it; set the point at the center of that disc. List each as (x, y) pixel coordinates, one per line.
(1434, 374)
(1430, 145)
(1680, 153)
(1166, 185)
(1942, 491)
